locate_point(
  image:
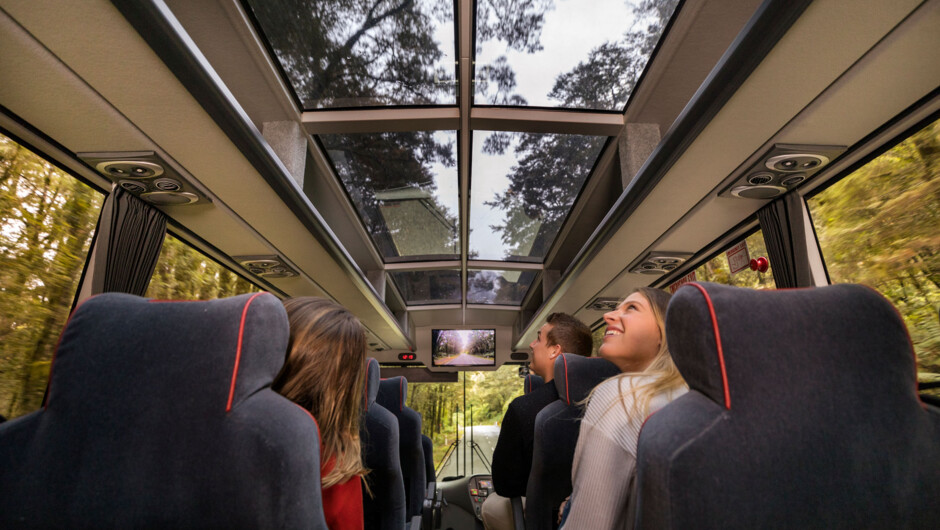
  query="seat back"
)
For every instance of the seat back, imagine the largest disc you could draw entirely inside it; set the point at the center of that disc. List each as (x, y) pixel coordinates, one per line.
(160, 414)
(531, 381)
(383, 489)
(392, 395)
(556, 436)
(427, 446)
(802, 412)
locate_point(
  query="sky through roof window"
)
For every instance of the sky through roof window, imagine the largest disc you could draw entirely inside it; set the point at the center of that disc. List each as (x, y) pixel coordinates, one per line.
(523, 186)
(565, 53)
(404, 186)
(498, 287)
(363, 53)
(428, 287)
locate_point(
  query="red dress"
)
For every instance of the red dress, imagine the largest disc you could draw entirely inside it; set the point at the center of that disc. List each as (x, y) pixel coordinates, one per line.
(342, 503)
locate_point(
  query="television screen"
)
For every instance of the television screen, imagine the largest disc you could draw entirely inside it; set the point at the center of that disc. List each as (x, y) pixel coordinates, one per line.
(463, 347)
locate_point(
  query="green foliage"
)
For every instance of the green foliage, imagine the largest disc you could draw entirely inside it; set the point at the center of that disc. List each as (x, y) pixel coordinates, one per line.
(440, 404)
(46, 222)
(183, 273)
(717, 269)
(878, 227)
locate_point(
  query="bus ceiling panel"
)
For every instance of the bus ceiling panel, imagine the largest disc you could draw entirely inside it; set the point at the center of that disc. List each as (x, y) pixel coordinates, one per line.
(750, 96)
(522, 189)
(223, 32)
(41, 89)
(578, 55)
(545, 121)
(404, 187)
(339, 54)
(872, 93)
(221, 148)
(471, 317)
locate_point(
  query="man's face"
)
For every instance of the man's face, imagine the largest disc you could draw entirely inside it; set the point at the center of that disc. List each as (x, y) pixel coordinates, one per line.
(543, 355)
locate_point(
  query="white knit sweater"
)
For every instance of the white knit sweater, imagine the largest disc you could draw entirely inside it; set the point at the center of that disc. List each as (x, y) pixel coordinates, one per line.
(605, 457)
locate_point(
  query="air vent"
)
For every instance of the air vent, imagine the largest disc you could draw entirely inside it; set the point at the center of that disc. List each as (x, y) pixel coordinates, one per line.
(270, 267)
(146, 175)
(603, 304)
(659, 262)
(782, 168)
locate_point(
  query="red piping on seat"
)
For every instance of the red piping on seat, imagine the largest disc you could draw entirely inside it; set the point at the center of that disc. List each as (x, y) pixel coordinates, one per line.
(721, 355)
(238, 354)
(567, 395)
(319, 439)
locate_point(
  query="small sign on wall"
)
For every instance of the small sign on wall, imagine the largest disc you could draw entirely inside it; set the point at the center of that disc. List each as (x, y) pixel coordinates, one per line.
(738, 257)
(688, 278)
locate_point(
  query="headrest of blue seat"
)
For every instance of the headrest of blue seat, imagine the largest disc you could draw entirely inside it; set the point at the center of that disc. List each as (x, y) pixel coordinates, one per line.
(575, 375)
(198, 358)
(787, 348)
(532, 381)
(372, 382)
(393, 393)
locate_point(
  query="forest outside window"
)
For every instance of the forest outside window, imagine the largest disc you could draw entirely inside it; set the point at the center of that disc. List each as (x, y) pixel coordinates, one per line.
(719, 268)
(878, 227)
(184, 273)
(47, 219)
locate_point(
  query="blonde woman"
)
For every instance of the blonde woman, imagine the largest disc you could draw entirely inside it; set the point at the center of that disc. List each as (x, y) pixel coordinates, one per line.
(605, 457)
(324, 374)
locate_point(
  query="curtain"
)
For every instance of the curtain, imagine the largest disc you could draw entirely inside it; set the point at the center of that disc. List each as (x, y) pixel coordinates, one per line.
(128, 245)
(782, 223)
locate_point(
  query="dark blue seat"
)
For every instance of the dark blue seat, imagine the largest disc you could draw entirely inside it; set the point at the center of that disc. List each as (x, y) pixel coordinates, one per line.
(531, 381)
(160, 415)
(384, 508)
(803, 413)
(427, 446)
(393, 393)
(556, 436)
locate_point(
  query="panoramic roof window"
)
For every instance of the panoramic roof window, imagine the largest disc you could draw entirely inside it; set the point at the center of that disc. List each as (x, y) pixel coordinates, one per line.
(523, 186)
(352, 53)
(428, 287)
(498, 287)
(404, 186)
(564, 53)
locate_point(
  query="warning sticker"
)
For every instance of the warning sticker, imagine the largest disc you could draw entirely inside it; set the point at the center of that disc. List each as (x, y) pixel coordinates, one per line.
(738, 257)
(688, 278)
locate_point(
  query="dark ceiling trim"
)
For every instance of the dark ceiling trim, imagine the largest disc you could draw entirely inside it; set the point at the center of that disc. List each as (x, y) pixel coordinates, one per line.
(768, 25)
(156, 24)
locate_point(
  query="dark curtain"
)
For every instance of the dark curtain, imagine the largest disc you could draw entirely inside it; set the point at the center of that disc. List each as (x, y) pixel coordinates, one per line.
(784, 235)
(132, 234)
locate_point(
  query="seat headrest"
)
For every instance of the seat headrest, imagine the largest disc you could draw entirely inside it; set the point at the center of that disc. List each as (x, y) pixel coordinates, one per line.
(122, 351)
(746, 347)
(532, 381)
(393, 393)
(372, 382)
(576, 376)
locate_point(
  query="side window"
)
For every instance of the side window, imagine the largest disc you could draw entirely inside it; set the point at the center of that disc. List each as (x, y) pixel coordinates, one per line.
(47, 218)
(597, 338)
(183, 273)
(735, 258)
(878, 226)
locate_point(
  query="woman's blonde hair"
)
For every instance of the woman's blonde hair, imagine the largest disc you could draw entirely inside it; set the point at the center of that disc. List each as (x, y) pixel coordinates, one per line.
(665, 376)
(324, 373)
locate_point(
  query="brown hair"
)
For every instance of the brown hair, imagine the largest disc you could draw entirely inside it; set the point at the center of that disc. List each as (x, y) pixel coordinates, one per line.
(324, 373)
(570, 333)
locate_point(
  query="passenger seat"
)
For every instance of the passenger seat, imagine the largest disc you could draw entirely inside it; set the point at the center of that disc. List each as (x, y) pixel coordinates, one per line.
(384, 499)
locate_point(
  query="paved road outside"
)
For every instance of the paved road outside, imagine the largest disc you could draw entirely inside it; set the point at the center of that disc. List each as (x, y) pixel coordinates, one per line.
(485, 437)
(464, 359)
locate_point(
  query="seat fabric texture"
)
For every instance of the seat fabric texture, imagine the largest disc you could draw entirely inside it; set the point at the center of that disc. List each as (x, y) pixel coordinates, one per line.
(393, 394)
(160, 415)
(531, 382)
(556, 436)
(802, 413)
(384, 499)
(427, 446)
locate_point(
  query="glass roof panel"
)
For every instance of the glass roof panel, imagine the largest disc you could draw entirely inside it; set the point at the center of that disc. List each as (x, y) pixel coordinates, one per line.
(523, 185)
(404, 186)
(565, 53)
(428, 287)
(354, 53)
(498, 287)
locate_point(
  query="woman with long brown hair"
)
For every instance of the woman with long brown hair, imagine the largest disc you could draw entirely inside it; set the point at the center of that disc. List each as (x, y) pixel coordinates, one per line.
(324, 374)
(605, 457)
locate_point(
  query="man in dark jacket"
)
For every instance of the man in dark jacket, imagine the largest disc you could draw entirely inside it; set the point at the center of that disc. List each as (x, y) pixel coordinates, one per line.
(512, 458)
